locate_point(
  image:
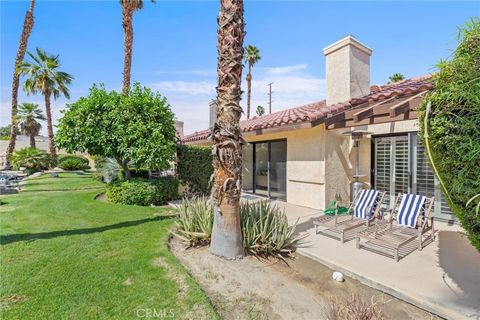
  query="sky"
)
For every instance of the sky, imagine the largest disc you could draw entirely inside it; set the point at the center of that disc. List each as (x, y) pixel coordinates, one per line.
(175, 46)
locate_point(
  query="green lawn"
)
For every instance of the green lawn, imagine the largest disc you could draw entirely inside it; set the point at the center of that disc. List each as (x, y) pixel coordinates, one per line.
(66, 256)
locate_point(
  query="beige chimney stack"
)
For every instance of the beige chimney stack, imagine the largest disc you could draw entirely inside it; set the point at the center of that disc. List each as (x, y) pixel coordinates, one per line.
(347, 63)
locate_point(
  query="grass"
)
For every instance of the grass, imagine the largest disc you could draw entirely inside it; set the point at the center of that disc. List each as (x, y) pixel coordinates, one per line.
(66, 256)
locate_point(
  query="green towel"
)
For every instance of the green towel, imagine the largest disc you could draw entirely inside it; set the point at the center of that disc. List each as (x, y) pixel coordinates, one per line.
(332, 209)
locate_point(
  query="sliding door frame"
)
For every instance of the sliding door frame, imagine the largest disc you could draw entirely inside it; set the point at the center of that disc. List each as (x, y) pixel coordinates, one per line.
(269, 160)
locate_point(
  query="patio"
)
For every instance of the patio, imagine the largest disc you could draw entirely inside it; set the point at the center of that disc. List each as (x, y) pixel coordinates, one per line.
(443, 278)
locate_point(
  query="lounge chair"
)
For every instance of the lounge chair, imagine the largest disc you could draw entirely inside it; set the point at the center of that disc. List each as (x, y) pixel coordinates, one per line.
(412, 216)
(361, 211)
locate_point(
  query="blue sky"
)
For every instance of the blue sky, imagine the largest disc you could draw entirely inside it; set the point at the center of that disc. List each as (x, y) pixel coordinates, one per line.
(175, 53)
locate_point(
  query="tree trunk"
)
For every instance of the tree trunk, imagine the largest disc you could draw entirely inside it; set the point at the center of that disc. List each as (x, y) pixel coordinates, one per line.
(227, 137)
(22, 48)
(51, 143)
(32, 141)
(124, 165)
(127, 22)
(249, 89)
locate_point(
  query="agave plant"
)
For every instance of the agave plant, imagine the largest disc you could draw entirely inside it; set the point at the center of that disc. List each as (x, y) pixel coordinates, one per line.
(195, 221)
(264, 227)
(266, 231)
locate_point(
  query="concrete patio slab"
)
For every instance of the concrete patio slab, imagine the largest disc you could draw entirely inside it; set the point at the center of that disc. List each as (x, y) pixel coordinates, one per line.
(443, 278)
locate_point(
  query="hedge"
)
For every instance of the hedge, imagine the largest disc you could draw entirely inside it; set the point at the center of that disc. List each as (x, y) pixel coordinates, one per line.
(450, 122)
(68, 157)
(194, 168)
(143, 192)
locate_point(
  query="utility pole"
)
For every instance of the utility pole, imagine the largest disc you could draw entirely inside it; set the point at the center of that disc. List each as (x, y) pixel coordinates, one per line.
(270, 97)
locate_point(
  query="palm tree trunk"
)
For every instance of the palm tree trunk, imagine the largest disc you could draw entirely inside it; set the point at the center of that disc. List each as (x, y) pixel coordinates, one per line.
(51, 143)
(22, 48)
(227, 137)
(249, 89)
(32, 141)
(127, 22)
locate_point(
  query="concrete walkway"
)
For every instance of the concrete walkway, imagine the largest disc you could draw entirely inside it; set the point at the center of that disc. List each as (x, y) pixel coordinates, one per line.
(443, 278)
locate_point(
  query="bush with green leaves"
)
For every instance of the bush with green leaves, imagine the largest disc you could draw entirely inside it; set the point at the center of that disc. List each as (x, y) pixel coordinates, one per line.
(73, 164)
(65, 157)
(264, 227)
(194, 168)
(142, 192)
(135, 173)
(450, 128)
(137, 127)
(32, 159)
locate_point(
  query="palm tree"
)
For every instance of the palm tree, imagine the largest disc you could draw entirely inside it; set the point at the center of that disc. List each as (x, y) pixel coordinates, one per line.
(28, 114)
(396, 77)
(22, 48)
(128, 9)
(252, 56)
(44, 77)
(227, 137)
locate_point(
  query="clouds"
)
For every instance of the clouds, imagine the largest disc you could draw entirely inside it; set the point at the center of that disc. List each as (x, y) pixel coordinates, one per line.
(190, 91)
(286, 69)
(293, 85)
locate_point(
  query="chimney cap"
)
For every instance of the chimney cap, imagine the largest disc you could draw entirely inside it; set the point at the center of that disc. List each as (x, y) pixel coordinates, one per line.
(345, 41)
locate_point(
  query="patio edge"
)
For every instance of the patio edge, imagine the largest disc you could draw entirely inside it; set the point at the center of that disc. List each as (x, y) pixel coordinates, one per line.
(424, 305)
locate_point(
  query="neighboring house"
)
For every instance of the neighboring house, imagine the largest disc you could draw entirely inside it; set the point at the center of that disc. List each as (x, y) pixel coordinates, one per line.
(303, 156)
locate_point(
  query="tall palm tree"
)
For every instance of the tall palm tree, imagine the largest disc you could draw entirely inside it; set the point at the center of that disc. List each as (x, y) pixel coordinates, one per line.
(227, 137)
(22, 48)
(128, 9)
(28, 114)
(251, 56)
(44, 77)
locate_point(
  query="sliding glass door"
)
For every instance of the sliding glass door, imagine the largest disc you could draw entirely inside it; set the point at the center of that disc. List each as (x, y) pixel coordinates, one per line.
(400, 165)
(265, 169)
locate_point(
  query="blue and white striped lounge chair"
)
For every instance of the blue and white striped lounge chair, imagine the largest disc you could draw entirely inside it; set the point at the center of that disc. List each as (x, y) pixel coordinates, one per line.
(364, 208)
(410, 219)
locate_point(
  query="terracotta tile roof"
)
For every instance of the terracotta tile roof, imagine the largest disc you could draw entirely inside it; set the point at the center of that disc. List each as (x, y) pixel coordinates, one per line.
(318, 111)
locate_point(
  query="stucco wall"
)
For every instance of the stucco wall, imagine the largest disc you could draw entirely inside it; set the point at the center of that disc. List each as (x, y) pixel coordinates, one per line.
(305, 166)
(340, 155)
(320, 163)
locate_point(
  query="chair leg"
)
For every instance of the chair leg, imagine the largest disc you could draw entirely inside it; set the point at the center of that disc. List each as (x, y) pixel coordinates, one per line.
(358, 243)
(342, 237)
(316, 229)
(395, 255)
(420, 247)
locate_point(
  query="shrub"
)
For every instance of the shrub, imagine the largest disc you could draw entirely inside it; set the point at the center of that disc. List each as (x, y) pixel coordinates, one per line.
(450, 122)
(194, 168)
(264, 226)
(353, 308)
(66, 157)
(143, 192)
(135, 173)
(108, 168)
(31, 159)
(73, 164)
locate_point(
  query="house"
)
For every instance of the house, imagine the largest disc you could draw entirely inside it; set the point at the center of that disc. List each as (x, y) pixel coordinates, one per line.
(307, 154)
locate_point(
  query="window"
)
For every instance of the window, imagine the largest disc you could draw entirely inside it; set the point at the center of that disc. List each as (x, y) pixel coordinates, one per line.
(400, 165)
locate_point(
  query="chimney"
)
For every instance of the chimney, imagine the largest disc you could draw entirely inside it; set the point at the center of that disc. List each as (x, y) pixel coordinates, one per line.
(179, 128)
(347, 64)
(213, 113)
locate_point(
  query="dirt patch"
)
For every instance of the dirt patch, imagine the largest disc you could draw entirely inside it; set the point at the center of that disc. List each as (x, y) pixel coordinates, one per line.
(6, 302)
(173, 274)
(101, 197)
(257, 289)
